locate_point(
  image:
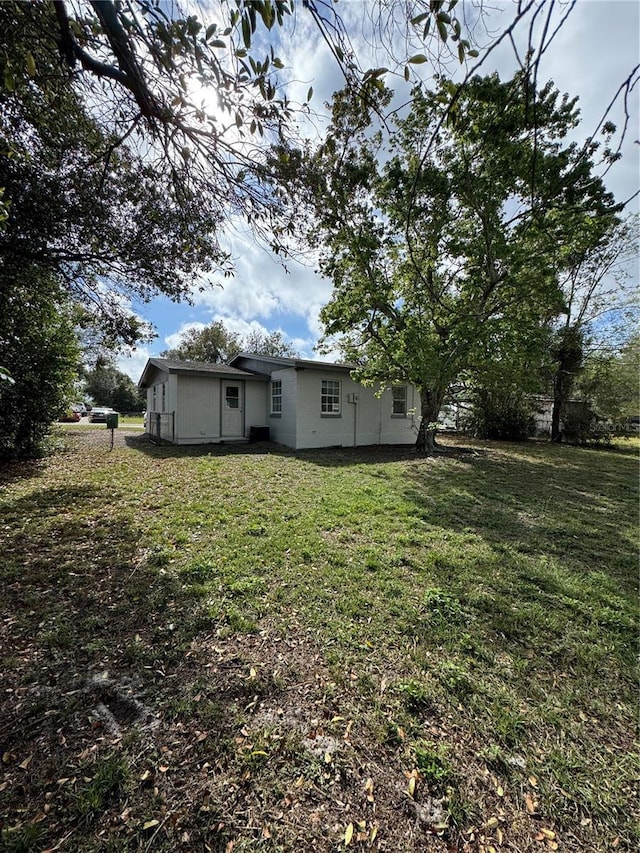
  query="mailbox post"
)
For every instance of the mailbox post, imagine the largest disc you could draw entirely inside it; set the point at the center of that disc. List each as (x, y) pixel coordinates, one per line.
(112, 424)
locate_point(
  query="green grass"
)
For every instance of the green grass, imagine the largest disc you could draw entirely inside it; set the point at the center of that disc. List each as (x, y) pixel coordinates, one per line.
(474, 617)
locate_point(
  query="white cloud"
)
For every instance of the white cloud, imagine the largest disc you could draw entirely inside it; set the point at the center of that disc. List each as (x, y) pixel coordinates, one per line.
(263, 289)
(133, 362)
(175, 339)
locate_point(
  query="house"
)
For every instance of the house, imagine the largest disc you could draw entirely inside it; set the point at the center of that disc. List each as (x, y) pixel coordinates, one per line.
(296, 402)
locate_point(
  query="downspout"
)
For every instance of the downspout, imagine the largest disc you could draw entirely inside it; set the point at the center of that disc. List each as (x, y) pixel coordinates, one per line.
(355, 422)
(353, 399)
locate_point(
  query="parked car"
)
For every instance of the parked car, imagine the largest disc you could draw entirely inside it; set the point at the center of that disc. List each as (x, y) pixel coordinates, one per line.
(69, 417)
(99, 414)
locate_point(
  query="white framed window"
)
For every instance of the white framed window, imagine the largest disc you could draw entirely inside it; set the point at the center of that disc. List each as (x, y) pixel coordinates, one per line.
(276, 397)
(232, 397)
(164, 396)
(154, 408)
(399, 396)
(330, 397)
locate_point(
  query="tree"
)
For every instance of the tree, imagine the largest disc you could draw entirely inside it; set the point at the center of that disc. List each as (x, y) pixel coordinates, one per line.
(443, 257)
(39, 350)
(595, 263)
(108, 386)
(269, 344)
(610, 381)
(216, 344)
(213, 344)
(83, 206)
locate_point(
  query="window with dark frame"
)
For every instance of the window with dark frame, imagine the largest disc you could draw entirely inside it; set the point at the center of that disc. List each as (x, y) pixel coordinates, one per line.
(399, 394)
(330, 398)
(276, 397)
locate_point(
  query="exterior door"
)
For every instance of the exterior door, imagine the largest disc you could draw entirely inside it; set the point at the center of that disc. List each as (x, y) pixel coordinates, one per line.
(232, 408)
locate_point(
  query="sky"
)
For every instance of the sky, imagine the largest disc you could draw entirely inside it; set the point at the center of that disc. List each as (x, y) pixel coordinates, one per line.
(593, 52)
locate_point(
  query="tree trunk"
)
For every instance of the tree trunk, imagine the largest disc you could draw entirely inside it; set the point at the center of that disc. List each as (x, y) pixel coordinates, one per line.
(569, 356)
(556, 412)
(430, 405)
(562, 386)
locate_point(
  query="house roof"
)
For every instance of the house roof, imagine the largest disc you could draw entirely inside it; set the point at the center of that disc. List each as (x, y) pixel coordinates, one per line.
(201, 368)
(298, 363)
(195, 368)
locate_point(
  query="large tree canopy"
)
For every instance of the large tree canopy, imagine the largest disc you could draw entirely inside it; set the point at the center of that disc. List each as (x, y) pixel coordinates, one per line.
(81, 206)
(216, 344)
(444, 248)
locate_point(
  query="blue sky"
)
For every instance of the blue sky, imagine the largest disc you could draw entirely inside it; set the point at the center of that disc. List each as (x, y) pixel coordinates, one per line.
(592, 54)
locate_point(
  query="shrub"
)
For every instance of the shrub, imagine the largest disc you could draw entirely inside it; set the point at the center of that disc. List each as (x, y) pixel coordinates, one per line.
(502, 414)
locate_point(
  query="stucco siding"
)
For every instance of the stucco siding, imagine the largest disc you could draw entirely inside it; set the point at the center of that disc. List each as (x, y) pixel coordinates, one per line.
(282, 428)
(367, 421)
(312, 428)
(255, 405)
(198, 410)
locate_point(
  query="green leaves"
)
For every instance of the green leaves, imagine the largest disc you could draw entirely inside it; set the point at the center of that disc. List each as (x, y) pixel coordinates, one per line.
(432, 279)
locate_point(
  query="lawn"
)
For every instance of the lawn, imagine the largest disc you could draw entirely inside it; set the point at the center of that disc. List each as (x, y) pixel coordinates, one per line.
(244, 649)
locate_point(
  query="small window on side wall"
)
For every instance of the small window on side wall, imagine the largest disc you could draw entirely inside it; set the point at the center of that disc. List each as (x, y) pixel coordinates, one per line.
(276, 397)
(399, 396)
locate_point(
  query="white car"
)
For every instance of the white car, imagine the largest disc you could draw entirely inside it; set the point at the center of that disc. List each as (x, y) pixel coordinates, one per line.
(99, 414)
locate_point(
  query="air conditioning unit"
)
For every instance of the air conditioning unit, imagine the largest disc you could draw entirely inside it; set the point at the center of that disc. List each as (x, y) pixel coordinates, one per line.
(353, 398)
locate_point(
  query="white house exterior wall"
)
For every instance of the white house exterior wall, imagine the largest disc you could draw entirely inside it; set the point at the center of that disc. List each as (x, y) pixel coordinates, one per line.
(282, 428)
(397, 429)
(156, 413)
(191, 411)
(368, 421)
(256, 405)
(197, 410)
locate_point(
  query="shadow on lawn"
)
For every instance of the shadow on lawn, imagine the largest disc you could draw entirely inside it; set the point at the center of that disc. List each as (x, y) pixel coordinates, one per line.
(576, 513)
(143, 444)
(79, 597)
(331, 457)
(458, 447)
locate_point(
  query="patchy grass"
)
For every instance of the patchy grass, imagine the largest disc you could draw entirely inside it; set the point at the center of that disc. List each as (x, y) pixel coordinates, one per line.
(246, 649)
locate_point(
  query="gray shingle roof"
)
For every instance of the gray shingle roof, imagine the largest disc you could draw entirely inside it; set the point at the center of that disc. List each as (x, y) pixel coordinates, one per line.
(197, 368)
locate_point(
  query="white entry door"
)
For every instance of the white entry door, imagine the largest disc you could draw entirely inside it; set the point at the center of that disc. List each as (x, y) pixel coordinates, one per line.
(232, 408)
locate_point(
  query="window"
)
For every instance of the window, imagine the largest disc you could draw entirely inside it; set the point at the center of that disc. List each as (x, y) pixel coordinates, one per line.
(232, 397)
(276, 397)
(399, 394)
(153, 407)
(330, 400)
(164, 396)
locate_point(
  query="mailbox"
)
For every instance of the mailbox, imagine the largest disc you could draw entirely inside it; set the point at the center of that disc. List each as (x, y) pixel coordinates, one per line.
(112, 420)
